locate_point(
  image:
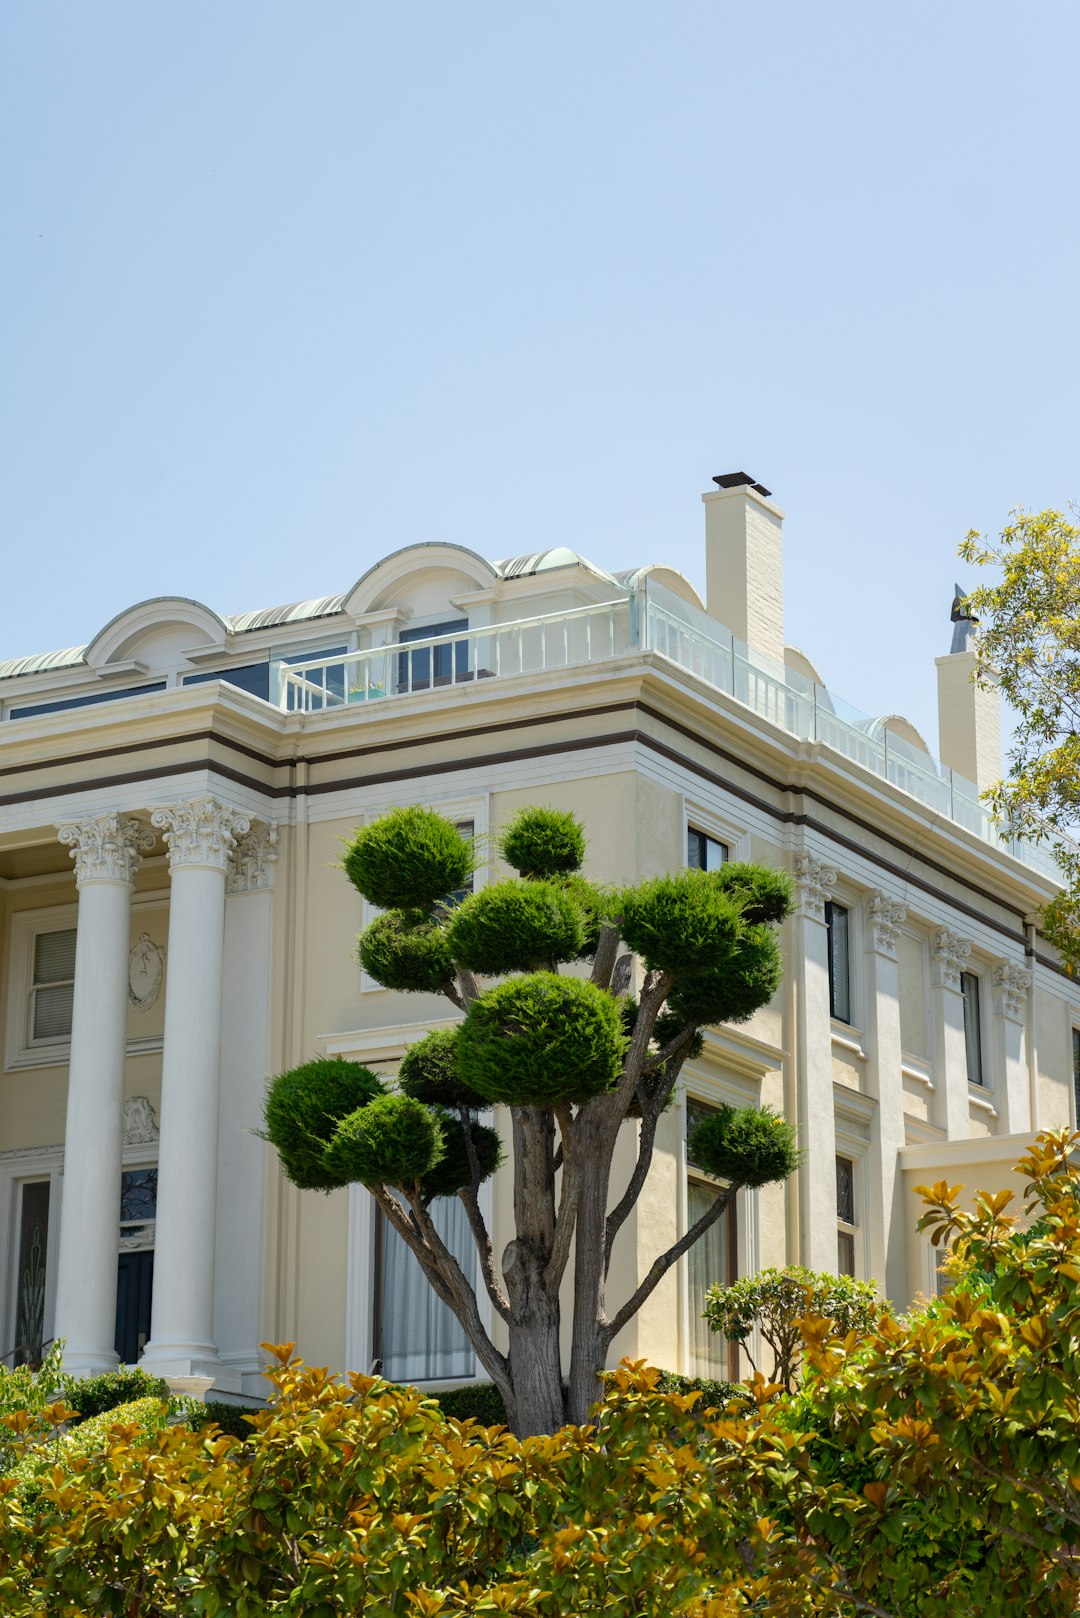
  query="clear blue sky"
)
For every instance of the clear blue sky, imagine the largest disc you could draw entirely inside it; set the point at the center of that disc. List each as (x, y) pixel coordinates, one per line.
(287, 286)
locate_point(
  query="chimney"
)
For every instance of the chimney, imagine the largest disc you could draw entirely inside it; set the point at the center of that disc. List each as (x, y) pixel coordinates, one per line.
(744, 570)
(969, 716)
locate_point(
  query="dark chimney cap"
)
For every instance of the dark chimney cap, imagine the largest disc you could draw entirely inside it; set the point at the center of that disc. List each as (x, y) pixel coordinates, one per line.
(739, 480)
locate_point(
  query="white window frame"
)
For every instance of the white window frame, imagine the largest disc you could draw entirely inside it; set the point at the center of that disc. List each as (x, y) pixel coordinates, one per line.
(476, 809)
(20, 1049)
(712, 1093)
(16, 1168)
(851, 1142)
(698, 816)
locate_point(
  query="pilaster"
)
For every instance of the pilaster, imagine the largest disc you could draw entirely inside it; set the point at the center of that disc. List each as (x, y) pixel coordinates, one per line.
(1011, 983)
(814, 883)
(885, 1214)
(950, 955)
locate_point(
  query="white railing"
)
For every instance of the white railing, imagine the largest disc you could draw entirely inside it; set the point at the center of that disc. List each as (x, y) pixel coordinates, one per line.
(651, 618)
(527, 646)
(813, 713)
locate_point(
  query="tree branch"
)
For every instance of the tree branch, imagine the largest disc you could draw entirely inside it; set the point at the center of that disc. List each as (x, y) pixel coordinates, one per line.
(446, 1279)
(663, 1264)
(669, 1062)
(653, 994)
(569, 1195)
(604, 960)
(485, 1252)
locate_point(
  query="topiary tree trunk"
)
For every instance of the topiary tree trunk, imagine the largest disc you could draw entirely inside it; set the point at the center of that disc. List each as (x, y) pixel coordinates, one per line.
(573, 1055)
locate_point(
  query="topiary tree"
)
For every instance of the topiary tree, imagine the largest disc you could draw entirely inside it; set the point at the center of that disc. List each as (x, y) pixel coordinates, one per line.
(561, 1042)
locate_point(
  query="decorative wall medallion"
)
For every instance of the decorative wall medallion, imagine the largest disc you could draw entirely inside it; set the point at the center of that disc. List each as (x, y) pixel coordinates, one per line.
(140, 1122)
(146, 967)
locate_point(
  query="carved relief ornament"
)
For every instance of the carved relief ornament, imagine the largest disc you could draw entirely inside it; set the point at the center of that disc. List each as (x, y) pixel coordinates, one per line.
(140, 1122)
(884, 920)
(951, 955)
(200, 832)
(106, 848)
(814, 884)
(1011, 984)
(251, 868)
(146, 968)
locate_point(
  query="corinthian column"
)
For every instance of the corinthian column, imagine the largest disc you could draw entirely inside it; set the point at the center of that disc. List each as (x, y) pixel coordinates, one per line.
(106, 852)
(201, 836)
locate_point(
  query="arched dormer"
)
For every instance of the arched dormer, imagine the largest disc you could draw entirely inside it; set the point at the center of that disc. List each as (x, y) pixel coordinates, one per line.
(420, 580)
(669, 577)
(155, 633)
(900, 730)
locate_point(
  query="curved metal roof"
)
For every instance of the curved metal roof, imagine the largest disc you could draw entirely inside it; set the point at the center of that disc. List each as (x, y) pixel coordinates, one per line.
(519, 567)
(296, 612)
(41, 662)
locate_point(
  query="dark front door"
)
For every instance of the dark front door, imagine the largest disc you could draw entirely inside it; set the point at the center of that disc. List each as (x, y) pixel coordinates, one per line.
(134, 1290)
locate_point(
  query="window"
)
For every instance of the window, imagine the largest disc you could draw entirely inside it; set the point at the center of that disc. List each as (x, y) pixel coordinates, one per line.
(1076, 1074)
(30, 1272)
(704, 853)
(86, 702)
(434, 665)
(712, 1260)
(52, 987)
(329, 683)
(417, 1338)
(969, 991)
(837, 922)
(846, 1226)
(467, 828)
(253, 677)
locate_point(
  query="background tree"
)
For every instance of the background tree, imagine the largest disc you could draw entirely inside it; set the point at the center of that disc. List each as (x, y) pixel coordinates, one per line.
(775, 1302)
(561, 1041)
(1029, 644)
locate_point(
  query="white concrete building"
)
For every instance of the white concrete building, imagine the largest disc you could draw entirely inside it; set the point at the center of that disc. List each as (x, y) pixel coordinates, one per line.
(174, 929)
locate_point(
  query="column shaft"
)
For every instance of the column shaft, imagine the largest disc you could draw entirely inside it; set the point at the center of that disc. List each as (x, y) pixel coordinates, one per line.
(106, 854)
(200, 836)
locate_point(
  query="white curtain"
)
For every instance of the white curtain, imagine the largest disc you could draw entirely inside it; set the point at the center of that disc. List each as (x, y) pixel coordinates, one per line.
(421, 1340)
(708, 1264)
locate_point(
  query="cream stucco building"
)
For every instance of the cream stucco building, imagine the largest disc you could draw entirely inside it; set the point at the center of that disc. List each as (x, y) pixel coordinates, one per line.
(174, 928)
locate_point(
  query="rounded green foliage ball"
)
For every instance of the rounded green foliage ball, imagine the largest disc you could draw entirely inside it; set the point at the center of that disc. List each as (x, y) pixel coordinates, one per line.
(453, 1171)
(407, 950)
(429, 1072)
(516, 927)
(731, 987)
(408, 859)
(596, 904)
(748, 1145)
(762, 893)
(543, 842)
(541, 1040)
(303, 1109)
(679, 922)
(394, 1140)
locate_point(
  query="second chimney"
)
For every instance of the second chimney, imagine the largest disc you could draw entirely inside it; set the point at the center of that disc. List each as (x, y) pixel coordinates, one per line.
(744, 569)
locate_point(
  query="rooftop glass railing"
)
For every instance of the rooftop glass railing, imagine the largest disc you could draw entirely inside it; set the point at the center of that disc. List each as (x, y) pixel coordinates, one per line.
(655, 619)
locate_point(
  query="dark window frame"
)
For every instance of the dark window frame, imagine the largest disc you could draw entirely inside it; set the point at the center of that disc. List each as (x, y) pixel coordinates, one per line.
(847, 1216)
(971, 995)
(838, 928)
(698, 845)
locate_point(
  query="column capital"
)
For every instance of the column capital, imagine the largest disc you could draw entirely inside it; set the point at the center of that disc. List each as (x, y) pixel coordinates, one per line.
(201, 832)
(105, 848)
(950, 957)
(884, 919)
(1011, 984)
(814, 884)
(251, 864)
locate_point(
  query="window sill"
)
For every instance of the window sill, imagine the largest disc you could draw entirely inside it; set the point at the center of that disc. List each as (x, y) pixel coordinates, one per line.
(848, 1038)
(918, 1076)
(60, 1055)
(977, 1098)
